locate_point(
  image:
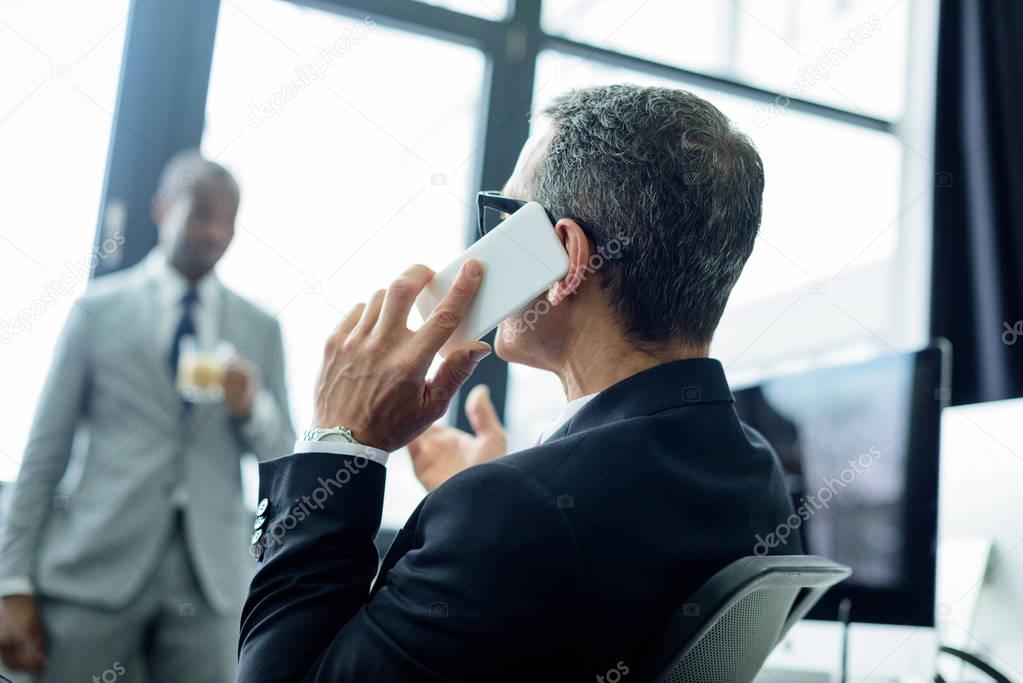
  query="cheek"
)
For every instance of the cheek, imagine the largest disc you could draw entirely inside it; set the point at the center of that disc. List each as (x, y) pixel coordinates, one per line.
(223, 232)
(509, 338)
(504, 340)
(523, 328)
(193, 232)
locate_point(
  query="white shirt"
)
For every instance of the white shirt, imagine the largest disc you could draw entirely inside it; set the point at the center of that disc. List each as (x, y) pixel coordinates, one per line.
(167, 306)
(343, 448)
(567, 413)
(380, 456)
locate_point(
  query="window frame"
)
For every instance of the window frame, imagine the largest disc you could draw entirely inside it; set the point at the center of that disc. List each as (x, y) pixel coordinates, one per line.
(171, 44)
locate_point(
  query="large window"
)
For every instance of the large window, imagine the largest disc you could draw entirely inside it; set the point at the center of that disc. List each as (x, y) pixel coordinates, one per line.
(488, 9)
(848, 53)
(360, 136)
(831, 270)
(56, 112)
(351, 166)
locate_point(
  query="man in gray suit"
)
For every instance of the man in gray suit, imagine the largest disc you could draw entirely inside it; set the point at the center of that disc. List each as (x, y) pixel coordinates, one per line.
(125, 550)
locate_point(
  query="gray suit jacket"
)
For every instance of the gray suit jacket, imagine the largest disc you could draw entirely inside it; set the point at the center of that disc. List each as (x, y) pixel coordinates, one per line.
(109, 396)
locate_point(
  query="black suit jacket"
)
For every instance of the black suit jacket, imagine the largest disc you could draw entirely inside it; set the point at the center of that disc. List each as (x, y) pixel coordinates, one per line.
(555, 563)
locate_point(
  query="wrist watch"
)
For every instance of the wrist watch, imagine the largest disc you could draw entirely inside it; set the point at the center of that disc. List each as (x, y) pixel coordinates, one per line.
(342, 434)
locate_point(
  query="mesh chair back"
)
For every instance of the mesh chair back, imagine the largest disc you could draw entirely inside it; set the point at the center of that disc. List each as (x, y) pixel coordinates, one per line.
(726, 629)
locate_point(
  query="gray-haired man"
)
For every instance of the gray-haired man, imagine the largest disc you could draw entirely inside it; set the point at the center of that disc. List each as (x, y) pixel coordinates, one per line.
(559, 562)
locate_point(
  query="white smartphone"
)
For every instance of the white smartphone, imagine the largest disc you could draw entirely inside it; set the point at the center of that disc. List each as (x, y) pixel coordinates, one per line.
(521, 257)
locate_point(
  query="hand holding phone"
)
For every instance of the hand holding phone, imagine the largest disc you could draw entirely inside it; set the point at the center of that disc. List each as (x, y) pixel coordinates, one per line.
(522, 257)
(373, 379)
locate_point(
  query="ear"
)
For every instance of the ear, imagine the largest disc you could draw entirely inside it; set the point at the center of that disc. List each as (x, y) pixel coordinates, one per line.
(158, 210)
(579, 249)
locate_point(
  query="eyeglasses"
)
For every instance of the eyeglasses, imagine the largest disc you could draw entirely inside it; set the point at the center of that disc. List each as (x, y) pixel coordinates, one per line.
(493, 208)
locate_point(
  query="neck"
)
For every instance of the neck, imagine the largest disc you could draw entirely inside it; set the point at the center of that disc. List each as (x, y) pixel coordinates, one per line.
(589, 368)
(191, 274)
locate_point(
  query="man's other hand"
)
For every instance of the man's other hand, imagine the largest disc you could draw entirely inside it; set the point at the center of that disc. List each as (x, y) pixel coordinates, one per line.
(373, 378)
(441, 452)
(241, 382)
(22, 639)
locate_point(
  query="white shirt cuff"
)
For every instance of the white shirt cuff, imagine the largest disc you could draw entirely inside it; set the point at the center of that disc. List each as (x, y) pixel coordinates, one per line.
(343, 448)
(16, 585)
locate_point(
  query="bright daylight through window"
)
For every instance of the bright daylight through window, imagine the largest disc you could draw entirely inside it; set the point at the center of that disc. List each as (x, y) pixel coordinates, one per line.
(56, 112)
(357, 189)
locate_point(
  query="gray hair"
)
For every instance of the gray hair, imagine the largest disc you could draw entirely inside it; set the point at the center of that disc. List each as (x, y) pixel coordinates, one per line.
(665, 173)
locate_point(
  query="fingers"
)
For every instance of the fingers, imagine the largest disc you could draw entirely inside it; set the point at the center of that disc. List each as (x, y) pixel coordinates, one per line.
(449, 312)
(481, 412)
(36, 659)
(348, 322)
(401, 295)
(240, 365)
(23, 654)
(455, 369)
(369, 314)
(238, 372)
(10, 651)
(416, 446)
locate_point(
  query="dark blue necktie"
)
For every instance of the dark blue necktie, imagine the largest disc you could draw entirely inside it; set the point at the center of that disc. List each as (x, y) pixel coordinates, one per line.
(186, 328)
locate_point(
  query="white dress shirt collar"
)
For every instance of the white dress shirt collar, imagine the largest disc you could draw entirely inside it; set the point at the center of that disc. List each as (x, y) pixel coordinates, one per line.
(174, 285)
(168, 288)
(566, 414)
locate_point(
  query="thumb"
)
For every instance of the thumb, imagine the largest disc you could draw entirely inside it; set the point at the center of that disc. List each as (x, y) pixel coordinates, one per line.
(419, 444)
(456, 368)
(37, 636)
(480, 411)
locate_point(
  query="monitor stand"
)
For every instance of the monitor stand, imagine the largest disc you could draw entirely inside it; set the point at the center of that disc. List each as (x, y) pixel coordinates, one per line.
(811, 653)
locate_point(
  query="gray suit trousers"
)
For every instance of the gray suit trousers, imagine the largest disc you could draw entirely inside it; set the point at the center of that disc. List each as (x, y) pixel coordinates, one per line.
(167, 634)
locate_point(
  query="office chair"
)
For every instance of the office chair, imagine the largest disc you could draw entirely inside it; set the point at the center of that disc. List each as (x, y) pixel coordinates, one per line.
(727, 628)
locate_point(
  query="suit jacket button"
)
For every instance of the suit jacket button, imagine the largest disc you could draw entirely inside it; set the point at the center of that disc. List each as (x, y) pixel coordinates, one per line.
(260, 521)
(256, 535)
(263, 505)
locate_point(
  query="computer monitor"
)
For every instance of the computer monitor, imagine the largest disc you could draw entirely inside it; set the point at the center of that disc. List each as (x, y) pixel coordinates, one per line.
(859, 446)
(981, 471)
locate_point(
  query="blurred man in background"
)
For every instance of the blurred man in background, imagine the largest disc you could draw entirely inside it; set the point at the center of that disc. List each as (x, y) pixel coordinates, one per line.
(138, 565)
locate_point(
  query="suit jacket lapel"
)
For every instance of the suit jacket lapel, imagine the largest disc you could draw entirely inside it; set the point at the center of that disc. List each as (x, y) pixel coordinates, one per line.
(152, 347)
(235, 328)
(229, 328)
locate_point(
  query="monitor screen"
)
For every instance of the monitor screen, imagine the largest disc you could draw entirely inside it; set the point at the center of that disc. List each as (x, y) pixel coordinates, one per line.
(859, 447)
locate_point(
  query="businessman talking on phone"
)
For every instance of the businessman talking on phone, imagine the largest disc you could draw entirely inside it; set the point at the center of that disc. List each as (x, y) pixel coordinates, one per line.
(561, 561)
